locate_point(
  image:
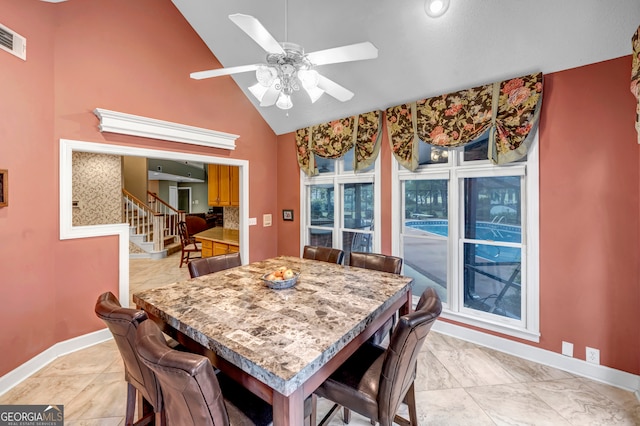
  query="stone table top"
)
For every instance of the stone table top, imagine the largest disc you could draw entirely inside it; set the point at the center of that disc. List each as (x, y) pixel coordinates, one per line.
(280, 337)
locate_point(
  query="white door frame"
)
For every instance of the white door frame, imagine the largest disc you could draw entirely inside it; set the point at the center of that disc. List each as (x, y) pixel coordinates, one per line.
(68, 231)
(173, 196)
(188, 189)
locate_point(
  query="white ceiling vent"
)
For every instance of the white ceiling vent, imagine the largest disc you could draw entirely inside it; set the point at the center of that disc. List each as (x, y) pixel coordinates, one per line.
(13, 42)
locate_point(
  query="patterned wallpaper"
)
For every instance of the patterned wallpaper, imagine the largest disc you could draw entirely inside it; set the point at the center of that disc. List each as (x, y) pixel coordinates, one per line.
(232, 217)
(97, 187)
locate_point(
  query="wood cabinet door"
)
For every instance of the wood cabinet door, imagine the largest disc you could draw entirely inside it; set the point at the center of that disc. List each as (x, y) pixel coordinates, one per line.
(235, 185)
(220, 248)
(214, 187)
(224, 184)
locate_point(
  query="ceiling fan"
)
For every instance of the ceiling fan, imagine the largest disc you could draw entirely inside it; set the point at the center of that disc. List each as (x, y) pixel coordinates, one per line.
(288, 67)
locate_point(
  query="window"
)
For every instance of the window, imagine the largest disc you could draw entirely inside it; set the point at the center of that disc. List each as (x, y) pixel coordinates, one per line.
(339, 205)
(469, 229)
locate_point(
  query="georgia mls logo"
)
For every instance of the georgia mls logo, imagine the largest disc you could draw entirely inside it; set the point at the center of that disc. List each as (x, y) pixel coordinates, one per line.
(31, 415)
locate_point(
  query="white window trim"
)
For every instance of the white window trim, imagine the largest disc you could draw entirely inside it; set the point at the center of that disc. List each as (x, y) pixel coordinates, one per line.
(337, 178)
(531, 329)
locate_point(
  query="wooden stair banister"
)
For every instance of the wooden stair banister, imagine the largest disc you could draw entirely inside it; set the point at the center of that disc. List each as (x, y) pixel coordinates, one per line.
(140, 216)
(174, 216)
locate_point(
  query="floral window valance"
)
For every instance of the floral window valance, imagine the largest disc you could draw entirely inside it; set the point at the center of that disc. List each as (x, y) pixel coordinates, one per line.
(635, 76)
(335, 138)
(510, 108)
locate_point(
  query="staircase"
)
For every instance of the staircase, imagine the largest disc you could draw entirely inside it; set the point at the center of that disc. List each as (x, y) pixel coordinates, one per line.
(152, 226)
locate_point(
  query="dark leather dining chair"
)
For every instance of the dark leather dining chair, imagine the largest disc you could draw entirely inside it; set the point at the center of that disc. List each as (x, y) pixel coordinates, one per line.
(383, 263)
(196, 395)
(123, 322)
(188, 243)
(374, 381)
(209, 265)
(192, 390)
(325, 254)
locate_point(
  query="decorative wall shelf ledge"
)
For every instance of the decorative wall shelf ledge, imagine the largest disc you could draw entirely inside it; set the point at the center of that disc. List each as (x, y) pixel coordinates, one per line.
(135, 125)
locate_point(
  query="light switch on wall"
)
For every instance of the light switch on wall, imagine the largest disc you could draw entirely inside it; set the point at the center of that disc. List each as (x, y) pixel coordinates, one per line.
(266, 220)
(253, 221)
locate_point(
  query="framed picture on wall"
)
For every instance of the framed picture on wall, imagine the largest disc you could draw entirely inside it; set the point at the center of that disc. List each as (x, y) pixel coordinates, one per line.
(4, 188)
(287, 214)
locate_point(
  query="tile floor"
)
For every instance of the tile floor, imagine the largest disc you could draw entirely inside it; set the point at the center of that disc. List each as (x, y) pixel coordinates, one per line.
(458, 383)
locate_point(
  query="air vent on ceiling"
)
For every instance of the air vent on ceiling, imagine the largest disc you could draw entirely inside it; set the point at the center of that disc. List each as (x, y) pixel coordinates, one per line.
(13, 42)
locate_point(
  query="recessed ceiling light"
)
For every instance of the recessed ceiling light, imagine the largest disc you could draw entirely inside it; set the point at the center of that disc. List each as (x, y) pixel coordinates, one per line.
(436, 8)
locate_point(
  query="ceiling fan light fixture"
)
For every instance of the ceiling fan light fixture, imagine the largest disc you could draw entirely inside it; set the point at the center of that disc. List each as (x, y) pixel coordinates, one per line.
(436, 8)
(314, 93)
(308, 78)
(266, 75)
(284, 101)
(258, 90)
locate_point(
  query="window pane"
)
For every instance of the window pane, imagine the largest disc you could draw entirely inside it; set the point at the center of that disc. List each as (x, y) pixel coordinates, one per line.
(322, 205)
(357, 205)
(492, 279)
(478, 150)
(348, 163)
(429, 154)
(325, 165)
(493, 208)
(356, 241)
(492, 272)
(426, 199)
(425, 233)
(321, 237)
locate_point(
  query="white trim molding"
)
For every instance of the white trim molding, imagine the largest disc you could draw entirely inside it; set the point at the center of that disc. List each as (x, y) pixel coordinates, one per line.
(24, 371)
(69, 232)
(135, 125)
(599, 373)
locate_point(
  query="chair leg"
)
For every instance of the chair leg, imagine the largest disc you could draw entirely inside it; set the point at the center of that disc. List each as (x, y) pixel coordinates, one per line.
(131, 404)
(347, 415)
(411, 403)
(146, 412)
(327, 418)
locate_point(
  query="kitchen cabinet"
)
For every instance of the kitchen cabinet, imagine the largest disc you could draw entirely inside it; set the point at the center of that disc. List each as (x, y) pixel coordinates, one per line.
(216, 241)
(224, 185)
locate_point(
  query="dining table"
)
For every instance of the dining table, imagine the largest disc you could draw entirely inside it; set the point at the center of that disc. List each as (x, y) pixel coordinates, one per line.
(281, 344)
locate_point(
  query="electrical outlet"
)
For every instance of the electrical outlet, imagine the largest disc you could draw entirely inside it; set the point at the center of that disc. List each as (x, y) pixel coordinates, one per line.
(567, 349)
(592, 355)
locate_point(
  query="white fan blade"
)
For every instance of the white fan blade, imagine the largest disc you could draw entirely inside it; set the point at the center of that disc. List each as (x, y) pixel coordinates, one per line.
(351, 52)
(334, 89)
(257, 32)
(223, 71)
(270, 97)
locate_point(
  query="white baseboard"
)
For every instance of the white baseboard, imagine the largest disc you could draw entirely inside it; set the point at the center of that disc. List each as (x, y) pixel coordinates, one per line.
(600, 373)
(620, 379)
(17, 375)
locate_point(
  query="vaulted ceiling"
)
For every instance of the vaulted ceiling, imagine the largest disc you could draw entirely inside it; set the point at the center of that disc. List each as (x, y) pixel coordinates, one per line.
(474, 43)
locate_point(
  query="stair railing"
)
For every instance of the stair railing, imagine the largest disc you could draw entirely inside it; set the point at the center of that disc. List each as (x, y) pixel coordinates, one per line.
(171, 216)
(139, 216)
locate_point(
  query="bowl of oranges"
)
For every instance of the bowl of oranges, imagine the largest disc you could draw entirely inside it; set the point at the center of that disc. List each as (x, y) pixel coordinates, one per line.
(282, 277)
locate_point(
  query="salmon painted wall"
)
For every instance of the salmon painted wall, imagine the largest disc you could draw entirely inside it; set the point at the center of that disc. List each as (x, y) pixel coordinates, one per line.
(589, 213)
(28, 226)
(288, 193)
(589, 280)
(105, 54)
